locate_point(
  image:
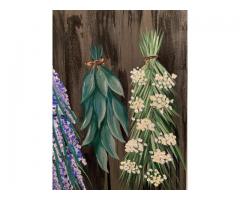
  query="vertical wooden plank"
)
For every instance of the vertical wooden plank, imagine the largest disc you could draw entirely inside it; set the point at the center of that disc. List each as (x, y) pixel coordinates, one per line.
(59, 44)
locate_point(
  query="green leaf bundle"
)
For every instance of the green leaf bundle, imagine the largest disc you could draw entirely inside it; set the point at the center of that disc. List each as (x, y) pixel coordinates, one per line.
(151, 152)
(104, 113)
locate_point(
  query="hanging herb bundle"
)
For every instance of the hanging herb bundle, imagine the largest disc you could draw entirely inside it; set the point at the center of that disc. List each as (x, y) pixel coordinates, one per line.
(104, 112)
(68, 161)
(151, 152)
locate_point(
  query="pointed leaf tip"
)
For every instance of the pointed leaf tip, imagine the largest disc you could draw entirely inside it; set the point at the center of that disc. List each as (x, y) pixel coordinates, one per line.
(114, 125)
(102, 81)
(108, 141)
(88, 86)
(114, 84)
(120, 113)
(90, 134)
(99, 107)
(101, 155)
(87, 118)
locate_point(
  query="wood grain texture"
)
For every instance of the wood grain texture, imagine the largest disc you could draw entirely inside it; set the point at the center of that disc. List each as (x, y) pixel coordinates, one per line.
(118, 32)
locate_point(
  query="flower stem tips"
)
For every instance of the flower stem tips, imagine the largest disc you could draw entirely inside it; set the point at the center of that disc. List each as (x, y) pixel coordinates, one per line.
(104, 113)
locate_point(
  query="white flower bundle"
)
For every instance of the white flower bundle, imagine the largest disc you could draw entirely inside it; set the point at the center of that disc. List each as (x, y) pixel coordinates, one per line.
(151, 152)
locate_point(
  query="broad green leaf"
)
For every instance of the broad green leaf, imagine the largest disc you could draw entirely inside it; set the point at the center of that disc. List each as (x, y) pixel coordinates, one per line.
(102, 81)
(87, 104)
(120, 113)
(99, 107)
(113, 124)
(108, 141)
(88, 86)
(114, 84)
(87, 118)
(91, 133)
(101, 155)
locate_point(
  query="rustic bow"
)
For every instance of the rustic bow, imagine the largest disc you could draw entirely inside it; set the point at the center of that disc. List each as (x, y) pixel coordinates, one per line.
(93, 63)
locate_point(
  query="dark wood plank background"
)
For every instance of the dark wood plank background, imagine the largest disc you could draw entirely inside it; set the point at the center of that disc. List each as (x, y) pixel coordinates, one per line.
(118, 32)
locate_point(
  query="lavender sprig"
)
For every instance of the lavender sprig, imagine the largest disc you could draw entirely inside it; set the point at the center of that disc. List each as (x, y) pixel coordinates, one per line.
(68, 160)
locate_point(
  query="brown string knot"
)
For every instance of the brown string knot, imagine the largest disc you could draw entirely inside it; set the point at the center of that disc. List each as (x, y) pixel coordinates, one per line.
(149, 58)
(94, 63)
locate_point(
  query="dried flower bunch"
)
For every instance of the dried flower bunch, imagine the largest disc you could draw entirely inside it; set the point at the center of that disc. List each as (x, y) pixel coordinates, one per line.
(68, 161)
(103, 110)
(152, 151)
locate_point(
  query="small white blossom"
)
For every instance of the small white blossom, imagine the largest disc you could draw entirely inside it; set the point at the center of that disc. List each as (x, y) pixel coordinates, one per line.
(165, 81)
(161, 102)
(164, 177)
(84, 162)
(134, 145)
(174, 76)
(137, 104)
(130, 167)
(138, 76)
(154, 177)
(161, 157)
(145, 124)
(167, 139)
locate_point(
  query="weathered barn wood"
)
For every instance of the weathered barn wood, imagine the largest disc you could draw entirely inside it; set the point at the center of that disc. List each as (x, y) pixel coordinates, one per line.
(118, 32)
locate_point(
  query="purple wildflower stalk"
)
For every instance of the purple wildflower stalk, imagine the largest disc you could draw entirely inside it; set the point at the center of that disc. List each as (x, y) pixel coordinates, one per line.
(55, 184)
(66, 173)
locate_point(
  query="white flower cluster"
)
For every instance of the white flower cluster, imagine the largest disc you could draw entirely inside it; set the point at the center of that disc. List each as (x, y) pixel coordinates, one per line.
(164, 81)
(138, 76)
(166, 139)
(130, 167)
(154, 177)
(161, 102)
(136, 104)
(145, 124)
(160, 157)
(135, 145)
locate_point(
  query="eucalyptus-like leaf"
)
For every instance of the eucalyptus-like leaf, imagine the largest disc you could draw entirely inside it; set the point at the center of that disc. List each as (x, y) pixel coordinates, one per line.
(114, 125)
(120, 113)
(108, 141)
(99, 107)
(91, 132)
(101, 155)
(114, 84)
(102, 81)
(87, 119)
(87, 104)
(88, 86)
